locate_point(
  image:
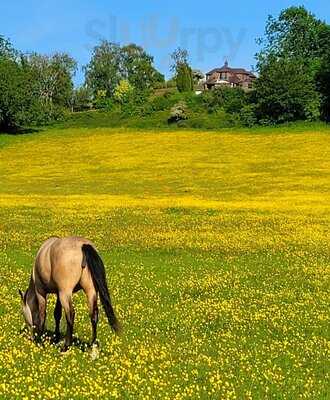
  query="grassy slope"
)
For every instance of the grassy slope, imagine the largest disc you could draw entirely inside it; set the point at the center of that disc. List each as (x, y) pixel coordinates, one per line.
(217, 247)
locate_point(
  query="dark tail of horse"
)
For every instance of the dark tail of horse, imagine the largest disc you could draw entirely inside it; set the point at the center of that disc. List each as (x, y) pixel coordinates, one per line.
(97, 269)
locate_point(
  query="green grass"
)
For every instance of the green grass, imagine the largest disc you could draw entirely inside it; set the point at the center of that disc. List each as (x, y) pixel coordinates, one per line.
(198, 119)
(217, 253)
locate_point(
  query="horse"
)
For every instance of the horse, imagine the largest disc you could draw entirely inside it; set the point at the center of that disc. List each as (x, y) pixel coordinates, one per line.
(64, 266)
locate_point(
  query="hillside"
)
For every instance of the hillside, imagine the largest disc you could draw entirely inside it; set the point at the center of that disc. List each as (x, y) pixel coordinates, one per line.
(217, 253)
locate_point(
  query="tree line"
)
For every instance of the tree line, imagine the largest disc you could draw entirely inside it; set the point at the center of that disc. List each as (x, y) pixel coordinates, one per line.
(293, 67)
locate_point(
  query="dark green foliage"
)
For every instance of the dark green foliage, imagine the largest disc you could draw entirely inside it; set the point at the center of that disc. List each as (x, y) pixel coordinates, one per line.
(295, 34)
(135, 103)
(182, 70)
(232, 100)
(248, 115)
(323, 74)
(137, 67)
(111, 64)
(34, 89)
(290, 79)
(17, 99)
(324, 87)
(184, 79)
(286, 92)
(103, 71)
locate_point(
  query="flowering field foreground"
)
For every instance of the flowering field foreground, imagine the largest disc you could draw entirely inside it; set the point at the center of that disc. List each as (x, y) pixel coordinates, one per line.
(217, 249)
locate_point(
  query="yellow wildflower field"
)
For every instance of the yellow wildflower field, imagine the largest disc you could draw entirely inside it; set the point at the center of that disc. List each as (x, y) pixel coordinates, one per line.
(217, 250)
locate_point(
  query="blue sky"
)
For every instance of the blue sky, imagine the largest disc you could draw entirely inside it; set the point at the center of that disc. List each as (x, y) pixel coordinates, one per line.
(211, 31)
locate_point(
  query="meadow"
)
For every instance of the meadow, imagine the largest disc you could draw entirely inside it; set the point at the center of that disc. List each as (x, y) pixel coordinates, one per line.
(217, 249)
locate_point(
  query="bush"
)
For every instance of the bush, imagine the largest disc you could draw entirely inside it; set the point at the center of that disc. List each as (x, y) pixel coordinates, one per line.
(161, 103)
(248, 116)
(178, 112)
(232, 100)
(123, 92)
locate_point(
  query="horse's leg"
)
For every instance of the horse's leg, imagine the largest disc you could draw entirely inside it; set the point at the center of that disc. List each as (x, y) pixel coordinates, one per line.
(93, 312)
(42, 304)
(66, 301)
(57, 317)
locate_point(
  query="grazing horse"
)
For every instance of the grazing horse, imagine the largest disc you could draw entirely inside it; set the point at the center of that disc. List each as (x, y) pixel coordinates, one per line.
(64, 266)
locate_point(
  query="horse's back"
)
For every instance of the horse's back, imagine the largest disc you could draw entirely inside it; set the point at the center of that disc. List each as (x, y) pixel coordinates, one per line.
(60, 262)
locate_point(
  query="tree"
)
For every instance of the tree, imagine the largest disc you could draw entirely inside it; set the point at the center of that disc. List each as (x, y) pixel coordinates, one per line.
(182, 70)
(111, 64)
(179, 57)
(53, 77)
(323, 81)
(285, 91)
(294, 34)
(289, 65)
(323, 75)
(137, 67)
(6, 48)
(158, 80)
(17, 99)
(104, 70)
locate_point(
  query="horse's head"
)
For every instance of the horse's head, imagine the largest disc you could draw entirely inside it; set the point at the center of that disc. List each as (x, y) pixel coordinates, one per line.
(30, 310)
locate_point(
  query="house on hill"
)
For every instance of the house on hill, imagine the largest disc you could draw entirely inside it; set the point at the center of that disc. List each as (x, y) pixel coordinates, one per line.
(231, 77)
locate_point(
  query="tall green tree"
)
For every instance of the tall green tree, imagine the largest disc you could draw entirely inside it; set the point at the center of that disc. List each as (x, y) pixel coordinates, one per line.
(289, 64)
(53, 77)
(285, 91)
(17, 98)
(111, 64)
(138, 69)
(182, 70)
(294, 34)
(103, 73)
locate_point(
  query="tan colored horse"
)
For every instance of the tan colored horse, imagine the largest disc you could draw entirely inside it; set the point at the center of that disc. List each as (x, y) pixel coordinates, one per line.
(64, 266)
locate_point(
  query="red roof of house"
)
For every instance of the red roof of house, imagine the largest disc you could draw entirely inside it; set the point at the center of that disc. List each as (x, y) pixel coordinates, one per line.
(226, 68)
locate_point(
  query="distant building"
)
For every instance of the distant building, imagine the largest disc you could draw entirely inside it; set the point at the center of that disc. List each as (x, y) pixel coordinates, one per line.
(231, 77)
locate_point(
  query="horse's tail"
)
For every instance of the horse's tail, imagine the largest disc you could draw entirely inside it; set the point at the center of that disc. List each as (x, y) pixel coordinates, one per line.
(97, 269)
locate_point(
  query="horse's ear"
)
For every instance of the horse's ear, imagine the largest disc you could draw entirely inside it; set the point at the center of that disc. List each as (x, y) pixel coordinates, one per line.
(21, 294)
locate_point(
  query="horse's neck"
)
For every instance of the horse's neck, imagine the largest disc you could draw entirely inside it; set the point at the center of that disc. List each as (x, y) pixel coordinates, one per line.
(31, 292)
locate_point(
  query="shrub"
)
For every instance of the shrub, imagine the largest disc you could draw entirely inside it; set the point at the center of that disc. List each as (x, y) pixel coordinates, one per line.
(123, 91)
(178, 112)
(248, 116)
(232, 100)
